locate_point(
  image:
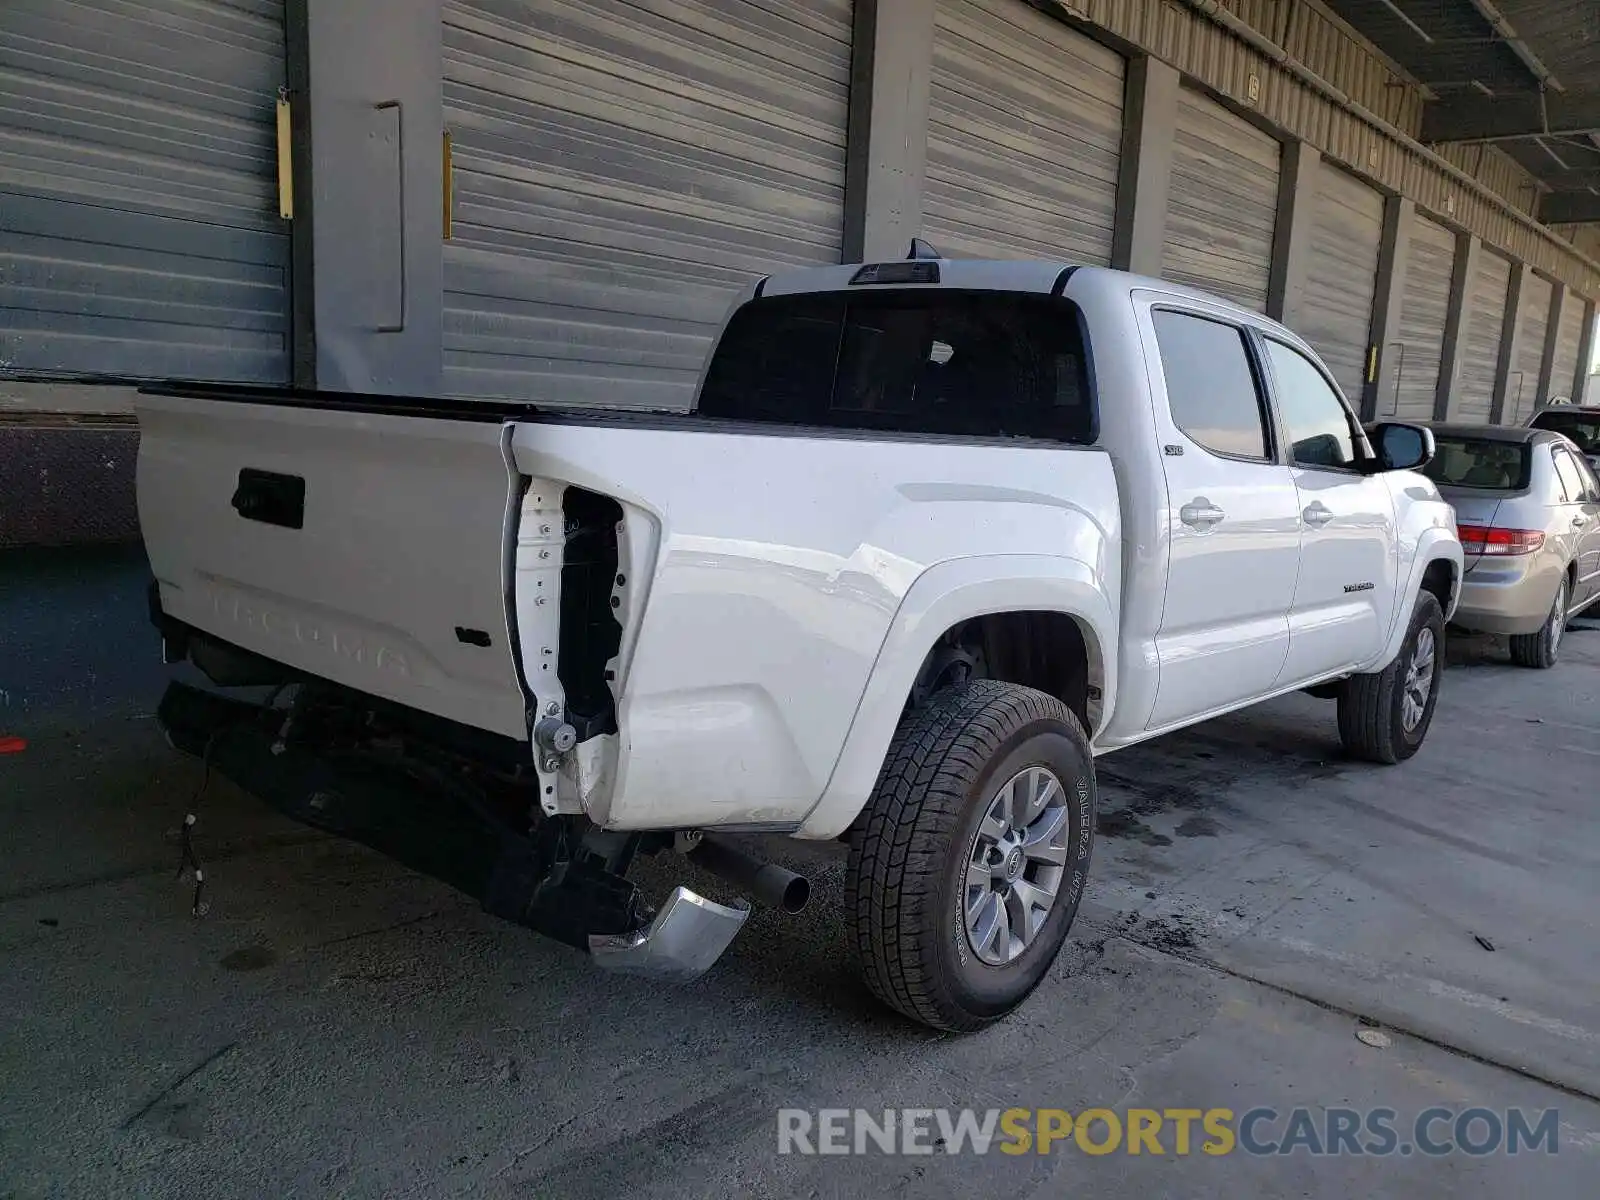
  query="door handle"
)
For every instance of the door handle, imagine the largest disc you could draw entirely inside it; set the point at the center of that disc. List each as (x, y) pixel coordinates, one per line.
(1200, 513)
(271, 498)
(1317, 513)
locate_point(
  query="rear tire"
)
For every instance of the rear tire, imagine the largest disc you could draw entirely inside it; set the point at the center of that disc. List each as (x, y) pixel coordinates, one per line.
(948, 871)
(1540, 650)
(1384, 716)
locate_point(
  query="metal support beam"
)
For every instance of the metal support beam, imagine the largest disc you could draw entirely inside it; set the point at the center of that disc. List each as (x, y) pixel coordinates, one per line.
(1560, 297)
(375, 128)
(1456, 322)
(1573, 179)
(302, 250)
(1582, 379)
(1570, 208)
(1291, 240)
(1467, 118)
(886, 160)
(1149, 117)
(1510, 341)
(1394, 253)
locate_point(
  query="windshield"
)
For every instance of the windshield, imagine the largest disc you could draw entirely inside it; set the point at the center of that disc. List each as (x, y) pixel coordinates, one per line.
(927, 360)
(1469, 462)
(1583, 428)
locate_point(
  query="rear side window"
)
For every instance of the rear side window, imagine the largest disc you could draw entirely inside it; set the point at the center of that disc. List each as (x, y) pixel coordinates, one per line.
(947, 361)
(1470, 462)
(1573, 483)
(1211, 387)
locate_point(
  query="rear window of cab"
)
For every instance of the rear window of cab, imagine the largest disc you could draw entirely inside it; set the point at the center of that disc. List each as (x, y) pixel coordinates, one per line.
(909, 360)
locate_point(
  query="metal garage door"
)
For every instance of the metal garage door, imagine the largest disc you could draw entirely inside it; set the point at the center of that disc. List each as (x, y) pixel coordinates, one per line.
(1424, 309)
(1223, 203)
(1342, 276)
(1481, 349)
(1569, 339)
(620, 169)
(1024, 135)
(138, 185)
(1533, 322)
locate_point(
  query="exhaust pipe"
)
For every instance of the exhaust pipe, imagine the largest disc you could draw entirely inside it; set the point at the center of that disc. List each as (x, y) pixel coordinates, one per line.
(768, 884)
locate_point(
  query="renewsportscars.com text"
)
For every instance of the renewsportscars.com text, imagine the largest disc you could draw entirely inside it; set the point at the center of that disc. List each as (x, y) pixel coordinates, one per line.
(1378, 1132)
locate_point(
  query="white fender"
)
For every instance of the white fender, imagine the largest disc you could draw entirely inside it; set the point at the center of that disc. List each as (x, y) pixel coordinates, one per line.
(1435, 544)
(942, 597)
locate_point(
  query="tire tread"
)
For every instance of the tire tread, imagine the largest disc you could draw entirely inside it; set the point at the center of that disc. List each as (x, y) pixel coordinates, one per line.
(900, 842)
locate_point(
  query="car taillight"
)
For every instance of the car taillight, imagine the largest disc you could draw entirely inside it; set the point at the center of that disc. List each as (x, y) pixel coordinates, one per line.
(1481, 539)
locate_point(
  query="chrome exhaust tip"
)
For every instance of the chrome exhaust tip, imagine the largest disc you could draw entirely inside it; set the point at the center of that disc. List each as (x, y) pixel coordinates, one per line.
(686, 937)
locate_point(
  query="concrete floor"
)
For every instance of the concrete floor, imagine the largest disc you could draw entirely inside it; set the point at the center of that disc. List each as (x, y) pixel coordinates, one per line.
(335, 1025)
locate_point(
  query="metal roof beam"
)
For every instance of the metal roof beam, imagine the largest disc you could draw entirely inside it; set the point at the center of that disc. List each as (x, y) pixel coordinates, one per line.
(1570, 208)
(1478, 118)
(1575, 179)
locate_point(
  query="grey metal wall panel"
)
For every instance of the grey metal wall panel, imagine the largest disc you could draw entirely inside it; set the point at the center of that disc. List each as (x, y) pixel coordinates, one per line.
(1533, 321)
(1024, 136)
(1481, 344)
(140, 234)
(1223, 204)
(1568, 339)
(620, 170)
(1342, 275)
(1424, 311)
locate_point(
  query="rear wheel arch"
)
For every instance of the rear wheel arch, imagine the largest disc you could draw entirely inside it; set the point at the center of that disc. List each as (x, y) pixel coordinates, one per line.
(952, 597)
(1051, 651)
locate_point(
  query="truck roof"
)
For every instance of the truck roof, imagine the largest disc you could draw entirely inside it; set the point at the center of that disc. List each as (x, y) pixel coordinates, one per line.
(1041, 275)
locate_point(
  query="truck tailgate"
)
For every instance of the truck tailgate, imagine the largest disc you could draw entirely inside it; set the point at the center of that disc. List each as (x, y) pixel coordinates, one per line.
(365, 548)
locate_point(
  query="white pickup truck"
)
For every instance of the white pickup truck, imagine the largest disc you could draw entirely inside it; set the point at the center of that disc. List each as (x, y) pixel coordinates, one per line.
(937, 534)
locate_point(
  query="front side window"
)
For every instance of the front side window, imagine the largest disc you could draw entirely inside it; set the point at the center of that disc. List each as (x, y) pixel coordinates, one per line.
(1321, 430)
(1211, 388)
(913, 360)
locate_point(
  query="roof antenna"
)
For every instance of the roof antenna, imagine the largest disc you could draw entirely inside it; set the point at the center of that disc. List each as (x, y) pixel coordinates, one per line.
(922, 249)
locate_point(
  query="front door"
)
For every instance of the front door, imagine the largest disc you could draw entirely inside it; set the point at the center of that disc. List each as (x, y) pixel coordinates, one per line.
(1349, 557)
(1232, 519)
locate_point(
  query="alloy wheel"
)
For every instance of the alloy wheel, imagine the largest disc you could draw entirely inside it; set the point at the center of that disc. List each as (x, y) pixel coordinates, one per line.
(1015, 867)
(1419, 680)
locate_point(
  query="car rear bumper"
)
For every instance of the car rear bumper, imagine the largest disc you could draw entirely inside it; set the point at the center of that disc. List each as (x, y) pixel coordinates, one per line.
(1506, 602)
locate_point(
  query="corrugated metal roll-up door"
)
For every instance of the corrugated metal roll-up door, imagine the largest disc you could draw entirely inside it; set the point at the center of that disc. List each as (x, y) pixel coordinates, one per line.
(1569, 340)
(139, 226)
(1342, 276)
(1424, 311)
(1480, 354)
(1024, 135)
(620, 169)
(1223, 204)
(1533, 322)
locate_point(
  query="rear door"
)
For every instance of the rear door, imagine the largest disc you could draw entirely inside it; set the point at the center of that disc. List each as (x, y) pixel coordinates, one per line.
(1349, 569)
(1232, 520)
(1580, 514)
(364, 547)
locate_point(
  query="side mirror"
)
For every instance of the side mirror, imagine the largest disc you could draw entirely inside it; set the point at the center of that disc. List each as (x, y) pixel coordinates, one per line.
(1402, 447)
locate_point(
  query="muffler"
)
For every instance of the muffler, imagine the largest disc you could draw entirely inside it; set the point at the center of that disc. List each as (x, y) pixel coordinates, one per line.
(767, 883)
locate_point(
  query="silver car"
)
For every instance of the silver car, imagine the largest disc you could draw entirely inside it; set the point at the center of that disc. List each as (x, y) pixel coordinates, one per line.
(1528, 509)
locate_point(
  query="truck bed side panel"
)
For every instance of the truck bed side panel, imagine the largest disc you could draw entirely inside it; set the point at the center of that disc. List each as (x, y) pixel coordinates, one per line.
(783, 562)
